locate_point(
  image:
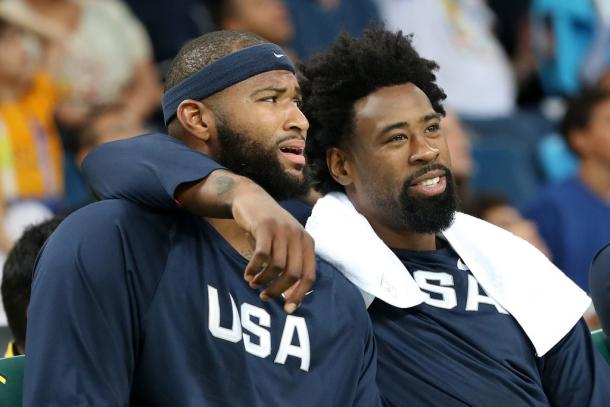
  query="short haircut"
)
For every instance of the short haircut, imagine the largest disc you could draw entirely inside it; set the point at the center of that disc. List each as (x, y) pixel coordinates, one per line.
(351, 69)
(204, 50)
(579, 110)
(17, 275)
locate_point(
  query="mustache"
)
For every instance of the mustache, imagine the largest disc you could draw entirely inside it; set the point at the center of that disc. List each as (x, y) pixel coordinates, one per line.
(424, 170)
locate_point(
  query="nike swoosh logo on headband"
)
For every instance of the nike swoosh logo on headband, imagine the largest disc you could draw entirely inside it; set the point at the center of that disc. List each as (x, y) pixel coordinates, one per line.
(278, 55)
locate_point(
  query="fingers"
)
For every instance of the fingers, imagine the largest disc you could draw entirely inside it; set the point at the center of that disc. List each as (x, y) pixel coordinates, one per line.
(277, 265)
(284, 257)
(291, 273)
(260, 258)
(307, 276)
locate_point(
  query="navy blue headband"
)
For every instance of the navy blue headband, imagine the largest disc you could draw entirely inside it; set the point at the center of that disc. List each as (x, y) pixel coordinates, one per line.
(225, 72)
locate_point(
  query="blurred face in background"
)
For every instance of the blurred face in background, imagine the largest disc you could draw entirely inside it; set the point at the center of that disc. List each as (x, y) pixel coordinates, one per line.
(20, 55)
(267, 18)
(593, 142)
(460, 149)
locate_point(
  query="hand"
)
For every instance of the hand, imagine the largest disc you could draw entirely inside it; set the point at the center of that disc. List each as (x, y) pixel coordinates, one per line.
(284, 257)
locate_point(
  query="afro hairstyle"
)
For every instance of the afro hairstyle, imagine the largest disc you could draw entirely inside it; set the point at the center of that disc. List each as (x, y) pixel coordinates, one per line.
(352, 68)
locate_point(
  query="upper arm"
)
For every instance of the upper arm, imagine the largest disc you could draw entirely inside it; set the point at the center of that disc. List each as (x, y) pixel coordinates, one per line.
(84, 314)
(145, 169)
(367, 393)
(573, 373)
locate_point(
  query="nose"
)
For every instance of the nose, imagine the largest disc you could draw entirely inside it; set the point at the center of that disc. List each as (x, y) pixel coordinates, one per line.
(422, 152)
(296, 120)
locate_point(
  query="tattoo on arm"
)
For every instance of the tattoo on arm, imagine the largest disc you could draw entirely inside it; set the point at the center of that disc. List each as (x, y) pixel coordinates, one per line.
(224, 184)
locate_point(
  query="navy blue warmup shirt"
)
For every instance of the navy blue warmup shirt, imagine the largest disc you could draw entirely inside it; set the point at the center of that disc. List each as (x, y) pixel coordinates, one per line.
(132, 306)
(458, 348)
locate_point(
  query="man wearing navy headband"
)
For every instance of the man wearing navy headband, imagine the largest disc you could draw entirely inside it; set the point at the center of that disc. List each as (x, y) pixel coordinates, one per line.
(488, 321)
(131, 306)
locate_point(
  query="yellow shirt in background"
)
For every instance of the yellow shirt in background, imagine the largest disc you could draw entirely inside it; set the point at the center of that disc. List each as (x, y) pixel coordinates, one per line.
(31, 153)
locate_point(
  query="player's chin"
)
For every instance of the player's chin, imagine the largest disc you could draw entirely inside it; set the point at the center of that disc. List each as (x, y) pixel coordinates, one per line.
(295, 172)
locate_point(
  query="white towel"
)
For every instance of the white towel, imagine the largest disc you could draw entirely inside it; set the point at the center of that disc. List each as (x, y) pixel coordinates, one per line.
(545, 303)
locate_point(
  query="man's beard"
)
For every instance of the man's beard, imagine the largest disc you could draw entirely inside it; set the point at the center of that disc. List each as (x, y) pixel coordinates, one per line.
(428, 214)
(251, 159)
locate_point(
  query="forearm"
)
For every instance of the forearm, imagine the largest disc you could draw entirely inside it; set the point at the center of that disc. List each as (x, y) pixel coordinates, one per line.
(220, 195)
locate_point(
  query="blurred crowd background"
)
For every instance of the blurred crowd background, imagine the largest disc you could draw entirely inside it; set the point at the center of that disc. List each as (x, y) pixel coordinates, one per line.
(528, 85)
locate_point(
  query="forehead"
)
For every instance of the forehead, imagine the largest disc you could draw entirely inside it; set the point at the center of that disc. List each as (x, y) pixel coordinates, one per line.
(399, 103)
(269, 79)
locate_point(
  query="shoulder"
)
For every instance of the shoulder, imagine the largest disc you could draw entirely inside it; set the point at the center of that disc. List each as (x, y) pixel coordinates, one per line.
(103, 238)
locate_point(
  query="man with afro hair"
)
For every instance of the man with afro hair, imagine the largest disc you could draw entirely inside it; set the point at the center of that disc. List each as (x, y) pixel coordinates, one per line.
(375, 145)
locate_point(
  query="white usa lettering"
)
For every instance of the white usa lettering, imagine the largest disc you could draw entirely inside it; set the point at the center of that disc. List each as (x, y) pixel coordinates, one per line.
(442, 285)
(244, 327)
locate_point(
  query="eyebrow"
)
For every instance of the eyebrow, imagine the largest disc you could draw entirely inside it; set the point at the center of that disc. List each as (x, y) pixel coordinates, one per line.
(400, 125)
(276, 90)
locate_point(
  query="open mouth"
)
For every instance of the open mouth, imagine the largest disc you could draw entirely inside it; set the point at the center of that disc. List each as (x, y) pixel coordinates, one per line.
(430, 184)
(294, 151)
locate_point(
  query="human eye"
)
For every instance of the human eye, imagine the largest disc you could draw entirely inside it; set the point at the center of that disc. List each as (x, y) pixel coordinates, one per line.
(270, 99)
(298, 102)
(433, 128)
(397, 137)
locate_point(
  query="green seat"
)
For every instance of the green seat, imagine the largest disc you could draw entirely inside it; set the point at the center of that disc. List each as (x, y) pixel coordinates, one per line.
(11, 381)
(601, 343)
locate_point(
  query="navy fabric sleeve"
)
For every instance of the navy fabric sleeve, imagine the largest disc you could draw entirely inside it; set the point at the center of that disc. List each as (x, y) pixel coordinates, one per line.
(599, 285)
(88, 298)
(145, 169)
(573, 373)
(367, 393)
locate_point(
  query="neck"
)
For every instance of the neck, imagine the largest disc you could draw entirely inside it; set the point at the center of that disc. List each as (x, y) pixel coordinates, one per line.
(596, 176)
(238, 238)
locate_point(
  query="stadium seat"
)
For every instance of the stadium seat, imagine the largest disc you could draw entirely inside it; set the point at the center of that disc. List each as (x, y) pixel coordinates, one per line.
(11, 381)
(601, 343)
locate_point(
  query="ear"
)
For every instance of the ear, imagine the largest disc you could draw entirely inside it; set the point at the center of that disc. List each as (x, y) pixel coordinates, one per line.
(339, 166)
(197, 119)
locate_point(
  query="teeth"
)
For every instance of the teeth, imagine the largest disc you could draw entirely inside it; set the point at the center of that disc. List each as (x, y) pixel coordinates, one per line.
(430, 182)
(292, 150)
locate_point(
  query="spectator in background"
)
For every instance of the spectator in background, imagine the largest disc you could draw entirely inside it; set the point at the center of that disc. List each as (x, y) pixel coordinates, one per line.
(499, 212)
(463, 44)
(460, 150)
(317, 23)
(17, 281)
(30, 148)
(106, 124)
(108, 58)
(268, 18)
(574, 216)
(170, 24)
(572, 43)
